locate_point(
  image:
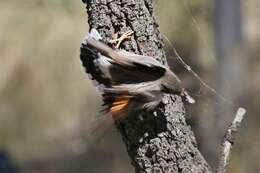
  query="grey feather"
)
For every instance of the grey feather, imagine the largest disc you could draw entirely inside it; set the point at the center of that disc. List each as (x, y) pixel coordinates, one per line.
(123, 73)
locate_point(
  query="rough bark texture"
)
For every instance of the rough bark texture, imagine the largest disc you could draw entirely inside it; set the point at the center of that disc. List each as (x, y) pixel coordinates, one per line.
(159, 141)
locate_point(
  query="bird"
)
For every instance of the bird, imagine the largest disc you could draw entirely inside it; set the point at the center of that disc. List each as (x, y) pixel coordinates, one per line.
(129, 82)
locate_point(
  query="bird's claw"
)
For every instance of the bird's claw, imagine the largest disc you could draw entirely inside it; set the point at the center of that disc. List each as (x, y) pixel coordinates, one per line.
(124, 36)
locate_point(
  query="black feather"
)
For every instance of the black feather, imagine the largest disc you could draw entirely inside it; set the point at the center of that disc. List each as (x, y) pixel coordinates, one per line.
(88, 56)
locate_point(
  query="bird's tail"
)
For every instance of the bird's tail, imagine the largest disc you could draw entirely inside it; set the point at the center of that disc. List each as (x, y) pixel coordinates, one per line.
(116, 102)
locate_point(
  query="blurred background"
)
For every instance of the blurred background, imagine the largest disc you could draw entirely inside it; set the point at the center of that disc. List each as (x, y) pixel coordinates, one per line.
(48, 106)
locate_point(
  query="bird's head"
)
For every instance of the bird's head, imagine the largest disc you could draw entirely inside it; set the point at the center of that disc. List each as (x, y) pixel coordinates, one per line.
(171, 83)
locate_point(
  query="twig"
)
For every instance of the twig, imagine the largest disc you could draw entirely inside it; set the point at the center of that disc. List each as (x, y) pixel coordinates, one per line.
(228, 141)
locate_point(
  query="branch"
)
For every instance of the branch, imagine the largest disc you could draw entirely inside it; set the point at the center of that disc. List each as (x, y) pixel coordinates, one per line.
(158, 141)
(228, 141)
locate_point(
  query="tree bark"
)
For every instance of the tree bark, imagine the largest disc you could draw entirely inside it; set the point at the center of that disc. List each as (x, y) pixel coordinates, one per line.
(158, 141)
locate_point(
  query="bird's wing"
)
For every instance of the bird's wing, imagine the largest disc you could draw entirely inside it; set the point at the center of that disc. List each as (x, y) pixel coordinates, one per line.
(107, 73)
(109, 67)
(134, 59)
(95, 66)
(119, 72)
(122, 100)
(146, 67)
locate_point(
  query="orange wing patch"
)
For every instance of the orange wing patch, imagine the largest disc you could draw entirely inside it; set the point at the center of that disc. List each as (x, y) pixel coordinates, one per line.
(119, 104)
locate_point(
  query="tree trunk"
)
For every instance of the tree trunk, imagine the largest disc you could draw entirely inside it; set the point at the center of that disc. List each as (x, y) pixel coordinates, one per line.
(158, 141)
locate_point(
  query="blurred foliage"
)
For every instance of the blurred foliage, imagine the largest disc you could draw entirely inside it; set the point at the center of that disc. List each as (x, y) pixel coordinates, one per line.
(47, 102)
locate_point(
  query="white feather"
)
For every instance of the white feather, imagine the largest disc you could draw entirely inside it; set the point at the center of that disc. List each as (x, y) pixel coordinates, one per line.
(104, 65)
(95, 34)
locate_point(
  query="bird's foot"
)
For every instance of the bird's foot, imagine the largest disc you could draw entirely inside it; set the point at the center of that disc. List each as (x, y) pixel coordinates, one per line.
(124, 36)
